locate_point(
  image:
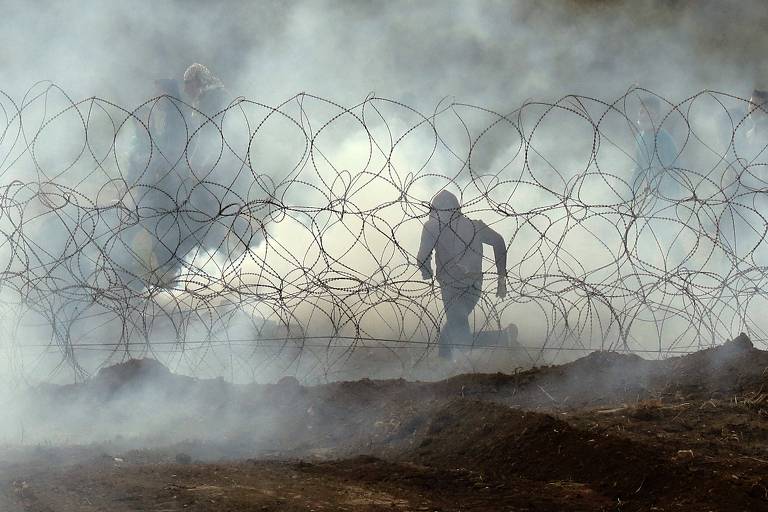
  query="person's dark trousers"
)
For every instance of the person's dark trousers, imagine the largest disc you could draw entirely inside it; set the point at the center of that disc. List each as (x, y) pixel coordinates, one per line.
(459, 299)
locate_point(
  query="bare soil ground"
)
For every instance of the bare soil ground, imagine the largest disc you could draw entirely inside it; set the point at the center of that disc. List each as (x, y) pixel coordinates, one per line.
(606, 432)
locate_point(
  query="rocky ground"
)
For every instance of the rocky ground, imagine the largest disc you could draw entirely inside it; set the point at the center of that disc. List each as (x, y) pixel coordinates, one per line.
(606, 432)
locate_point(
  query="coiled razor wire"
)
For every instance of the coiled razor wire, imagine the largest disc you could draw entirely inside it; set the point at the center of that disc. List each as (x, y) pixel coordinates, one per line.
(163, 230)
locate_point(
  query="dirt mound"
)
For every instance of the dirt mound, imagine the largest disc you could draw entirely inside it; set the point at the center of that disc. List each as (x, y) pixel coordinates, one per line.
(718, 372)
(597, 380)
(502, 443)
(131, 372)
(296, 417)
(606, 432)
(604, 379)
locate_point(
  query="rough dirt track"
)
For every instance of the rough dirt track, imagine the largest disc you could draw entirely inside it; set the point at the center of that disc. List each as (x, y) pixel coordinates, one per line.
(606, 432)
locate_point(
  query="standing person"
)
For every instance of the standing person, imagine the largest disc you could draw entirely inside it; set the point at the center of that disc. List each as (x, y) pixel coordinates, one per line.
(655, 187)
(458, 245)
(752, 179)
(655, 154)
(757, 122)
(205, 153)
(219, 218)
(745, 129)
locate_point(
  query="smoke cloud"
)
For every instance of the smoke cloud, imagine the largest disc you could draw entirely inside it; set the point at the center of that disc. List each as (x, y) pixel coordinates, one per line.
(430, 56)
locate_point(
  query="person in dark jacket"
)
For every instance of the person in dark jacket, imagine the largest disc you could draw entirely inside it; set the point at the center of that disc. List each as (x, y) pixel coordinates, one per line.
(457, 242)
(209, 159)
(166, 130)
(148, 252)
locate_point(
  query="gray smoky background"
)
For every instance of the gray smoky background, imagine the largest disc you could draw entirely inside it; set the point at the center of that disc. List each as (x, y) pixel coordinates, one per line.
(495, 55)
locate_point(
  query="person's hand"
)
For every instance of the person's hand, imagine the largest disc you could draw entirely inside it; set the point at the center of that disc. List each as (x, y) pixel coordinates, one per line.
(501, 287)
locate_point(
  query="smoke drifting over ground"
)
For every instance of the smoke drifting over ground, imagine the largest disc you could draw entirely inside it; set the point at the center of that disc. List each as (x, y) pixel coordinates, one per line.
(495, 55)
(576, 437)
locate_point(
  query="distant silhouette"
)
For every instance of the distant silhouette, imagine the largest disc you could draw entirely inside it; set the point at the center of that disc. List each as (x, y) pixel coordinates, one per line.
(457, 242)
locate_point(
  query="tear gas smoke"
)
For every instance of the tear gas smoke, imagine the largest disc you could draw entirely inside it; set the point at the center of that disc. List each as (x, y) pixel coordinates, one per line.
(277, 234)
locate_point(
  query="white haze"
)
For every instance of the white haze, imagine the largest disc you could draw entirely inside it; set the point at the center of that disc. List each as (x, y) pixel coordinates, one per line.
(496, 55)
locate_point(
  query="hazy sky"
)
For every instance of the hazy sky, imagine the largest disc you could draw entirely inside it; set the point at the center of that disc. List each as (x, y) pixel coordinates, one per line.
(484, 52)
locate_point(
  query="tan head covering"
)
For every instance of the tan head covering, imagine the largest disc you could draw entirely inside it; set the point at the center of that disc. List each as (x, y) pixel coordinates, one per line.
(202, 74)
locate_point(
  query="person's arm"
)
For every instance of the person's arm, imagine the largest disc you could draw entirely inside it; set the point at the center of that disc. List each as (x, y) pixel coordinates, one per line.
(427, 245)
(495, 240)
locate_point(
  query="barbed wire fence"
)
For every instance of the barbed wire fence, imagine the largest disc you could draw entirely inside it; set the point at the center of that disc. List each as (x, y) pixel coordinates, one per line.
(289, 232)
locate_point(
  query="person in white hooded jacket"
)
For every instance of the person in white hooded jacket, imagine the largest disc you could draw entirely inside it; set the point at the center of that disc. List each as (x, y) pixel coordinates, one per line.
(457, 242)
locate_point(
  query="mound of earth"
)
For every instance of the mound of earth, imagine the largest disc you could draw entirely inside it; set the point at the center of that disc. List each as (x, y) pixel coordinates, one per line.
(506, 444)
(606, 432)
(134, 372)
